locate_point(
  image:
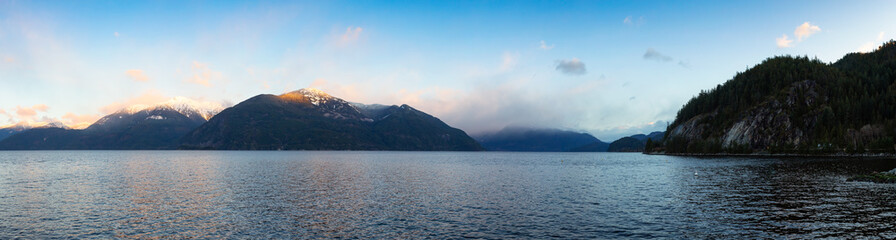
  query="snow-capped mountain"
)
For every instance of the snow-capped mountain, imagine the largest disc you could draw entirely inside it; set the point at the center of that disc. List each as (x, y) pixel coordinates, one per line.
(155, 126)
(186, 106)
(329, 106)
(9, 130)
(198, 111)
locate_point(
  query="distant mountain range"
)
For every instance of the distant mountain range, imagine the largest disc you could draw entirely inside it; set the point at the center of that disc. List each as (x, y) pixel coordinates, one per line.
(519, 139)
(634, 143)
(306, 119)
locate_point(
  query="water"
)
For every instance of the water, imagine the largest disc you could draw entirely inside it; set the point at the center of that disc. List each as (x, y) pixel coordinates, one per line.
(201, 194)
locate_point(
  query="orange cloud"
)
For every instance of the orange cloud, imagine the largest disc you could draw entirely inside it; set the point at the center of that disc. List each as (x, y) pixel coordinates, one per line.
(137, 75)
(203, 75)
(30, 112)
(805, 30)
(318, 83)
(79, 121)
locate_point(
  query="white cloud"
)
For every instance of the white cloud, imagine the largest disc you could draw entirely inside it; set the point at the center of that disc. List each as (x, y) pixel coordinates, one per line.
(631, 21)
(116, 34)
(544, 46)
(872, 45)
(783, 42)
(804, 31)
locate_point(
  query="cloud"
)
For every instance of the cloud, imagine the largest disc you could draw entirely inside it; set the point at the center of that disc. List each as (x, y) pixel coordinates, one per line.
(509, 60)
(28, 114)
(203, 75)
(870, 46)
(801, 32)
(116, 34)
(9, 59)
(350, 36)
(652, 54)
(805, 30)
(137, 75)
(783, 41)
(571, 67)
(4, 113)
(79, 121)
(630, 21)
(25, 112)
(613, 134)
(544, 46)
(146, 98)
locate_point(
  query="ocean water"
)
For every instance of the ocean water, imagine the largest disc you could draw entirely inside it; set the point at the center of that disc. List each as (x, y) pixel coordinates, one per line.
(233, 194)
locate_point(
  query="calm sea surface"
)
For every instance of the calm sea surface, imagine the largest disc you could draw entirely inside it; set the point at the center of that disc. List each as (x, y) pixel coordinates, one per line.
(207, 194)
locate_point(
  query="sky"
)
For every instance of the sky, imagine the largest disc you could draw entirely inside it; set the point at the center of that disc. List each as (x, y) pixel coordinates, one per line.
(609, 68)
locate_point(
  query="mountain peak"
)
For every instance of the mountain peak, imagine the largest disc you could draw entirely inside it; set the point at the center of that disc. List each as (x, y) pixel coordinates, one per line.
(313, 92)
(312, 95)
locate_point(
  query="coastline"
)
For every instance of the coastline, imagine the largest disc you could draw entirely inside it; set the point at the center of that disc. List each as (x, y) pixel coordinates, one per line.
(781, 155)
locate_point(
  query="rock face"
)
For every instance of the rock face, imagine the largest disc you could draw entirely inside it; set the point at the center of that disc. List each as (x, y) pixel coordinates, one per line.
(521, 139)
(770, 123)
(309, 119)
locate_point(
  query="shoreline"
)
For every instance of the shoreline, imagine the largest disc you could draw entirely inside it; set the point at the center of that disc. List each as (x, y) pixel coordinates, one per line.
(781, 155)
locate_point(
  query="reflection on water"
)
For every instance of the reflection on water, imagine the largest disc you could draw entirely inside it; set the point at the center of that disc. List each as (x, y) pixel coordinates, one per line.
(178, 194)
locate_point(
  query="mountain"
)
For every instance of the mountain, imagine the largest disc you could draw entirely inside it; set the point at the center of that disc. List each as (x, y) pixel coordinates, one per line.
(654, 136)
(627, 144)
(636, 143)
(535, 140)
(11, 130)
(158, 126)
(795, 105)
(21, 127)
(309, 119)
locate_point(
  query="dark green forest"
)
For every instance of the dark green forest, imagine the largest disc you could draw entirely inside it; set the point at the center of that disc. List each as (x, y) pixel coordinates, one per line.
(847, 106)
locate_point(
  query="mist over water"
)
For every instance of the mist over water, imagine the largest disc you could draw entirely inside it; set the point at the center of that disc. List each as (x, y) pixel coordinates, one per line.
(209, 194)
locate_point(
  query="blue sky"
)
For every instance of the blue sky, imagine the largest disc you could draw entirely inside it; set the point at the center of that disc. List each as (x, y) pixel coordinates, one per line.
(605, 67)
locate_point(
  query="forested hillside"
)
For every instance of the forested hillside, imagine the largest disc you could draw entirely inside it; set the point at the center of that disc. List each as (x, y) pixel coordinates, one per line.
(795, 105)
